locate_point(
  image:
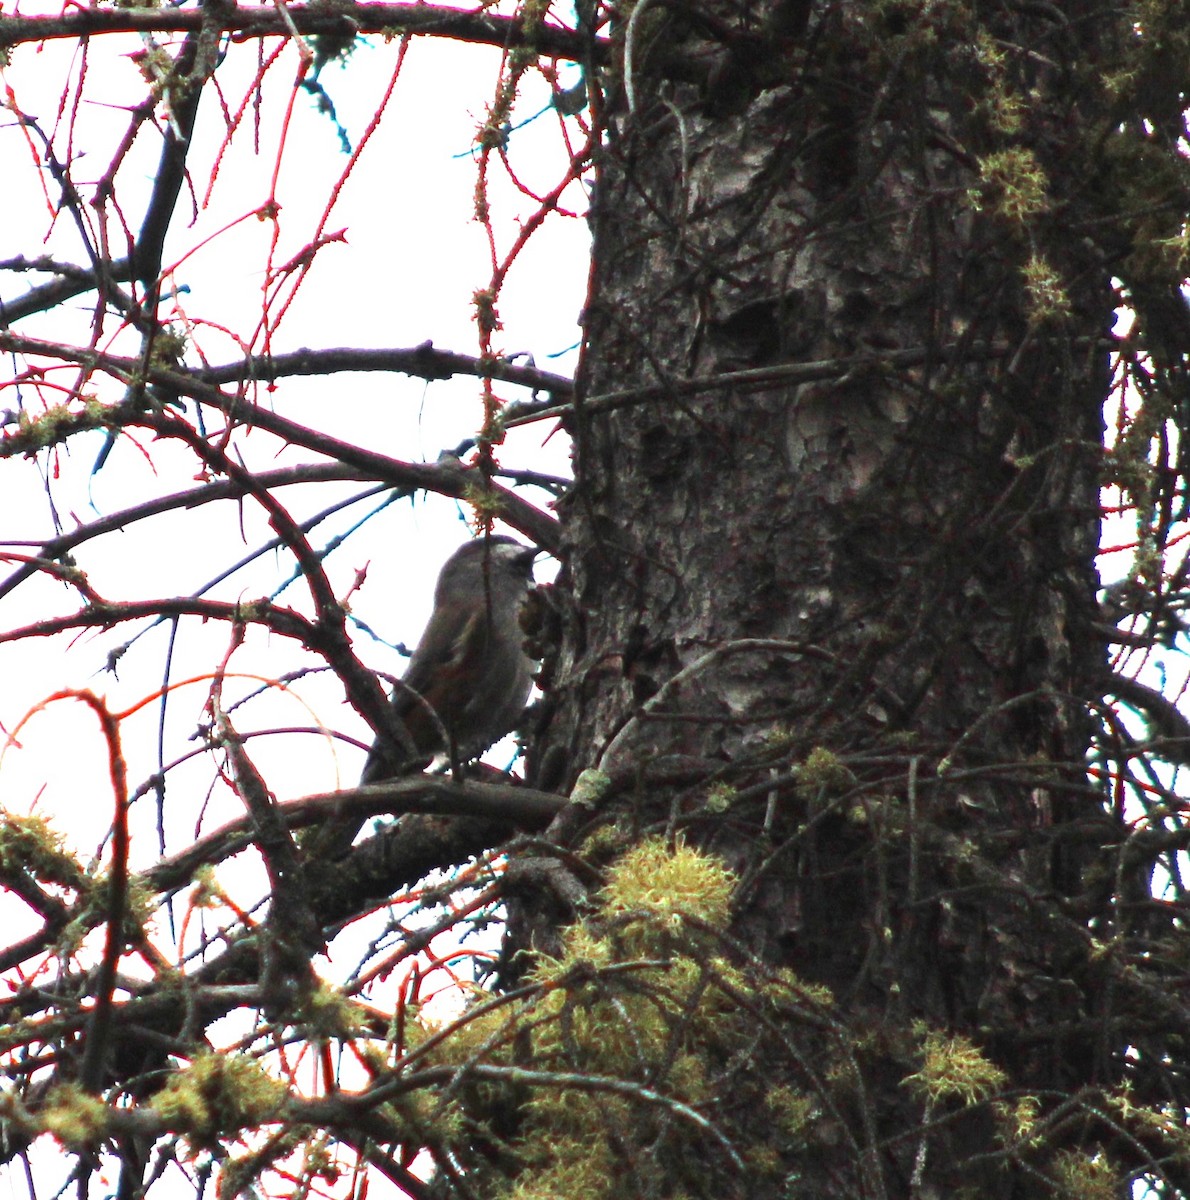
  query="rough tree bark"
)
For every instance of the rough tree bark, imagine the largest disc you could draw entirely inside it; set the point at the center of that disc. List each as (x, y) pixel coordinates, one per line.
(859, 597)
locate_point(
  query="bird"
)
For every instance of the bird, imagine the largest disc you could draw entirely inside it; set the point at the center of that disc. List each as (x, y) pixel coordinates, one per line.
(468, 679)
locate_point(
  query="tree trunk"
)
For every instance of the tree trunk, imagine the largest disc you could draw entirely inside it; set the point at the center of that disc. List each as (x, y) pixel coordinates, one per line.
(831, 572)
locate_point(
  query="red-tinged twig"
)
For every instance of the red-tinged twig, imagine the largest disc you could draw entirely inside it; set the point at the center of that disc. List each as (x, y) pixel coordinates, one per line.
(95, 1054)
(233, 121)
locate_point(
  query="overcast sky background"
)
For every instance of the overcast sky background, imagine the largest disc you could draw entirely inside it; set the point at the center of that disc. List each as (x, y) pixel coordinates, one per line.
(412, 257)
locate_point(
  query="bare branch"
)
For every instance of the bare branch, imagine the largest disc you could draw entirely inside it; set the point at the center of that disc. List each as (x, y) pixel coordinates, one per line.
(245, 22)
(425, 794)
(424, 362)
(451, 478)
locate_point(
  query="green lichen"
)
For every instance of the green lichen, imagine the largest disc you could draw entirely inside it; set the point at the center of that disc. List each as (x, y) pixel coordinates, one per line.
(329, 1013)
(1013, 184)
(1004, 107)
(953, 1068)
(208, 891)
(217, 1095)
(567, 1167)
(486, 503)
(78, 1120)
(1046, 298)
(823, 774)
(584, 948)
(720, 797)
(590, 787)
(670, 884)
(251, 611)
(31, 845)
(484, 302)
(56, 423)
(1086, 1177)
(94, 905)
(488, 1035)
(622, 1040)
(238, 1174)
(520, 58)
(791, 1112)
(1018, 1121)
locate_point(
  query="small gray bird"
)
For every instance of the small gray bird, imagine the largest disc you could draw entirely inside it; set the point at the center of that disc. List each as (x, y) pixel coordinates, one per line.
(469, 677)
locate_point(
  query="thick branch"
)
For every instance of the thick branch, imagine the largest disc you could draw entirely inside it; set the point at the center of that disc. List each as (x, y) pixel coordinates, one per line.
(72, 280)
(424, 362)
(425, 794)
(245, 22)
(257, 612)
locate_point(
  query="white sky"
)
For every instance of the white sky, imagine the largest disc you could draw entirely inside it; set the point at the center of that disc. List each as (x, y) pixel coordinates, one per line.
(412, 258)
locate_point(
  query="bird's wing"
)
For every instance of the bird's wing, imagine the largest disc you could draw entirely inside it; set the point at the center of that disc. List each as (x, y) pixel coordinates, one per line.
(450, 647)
